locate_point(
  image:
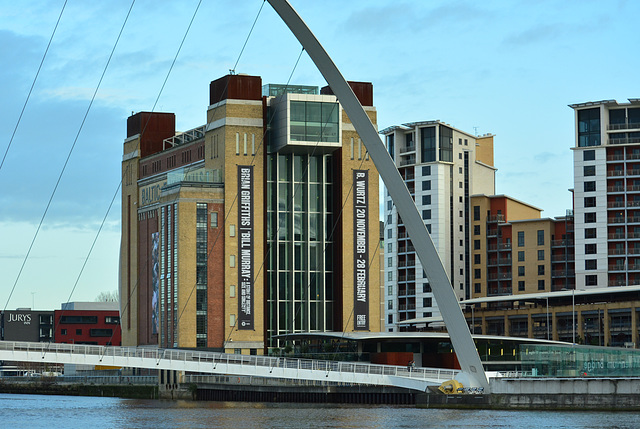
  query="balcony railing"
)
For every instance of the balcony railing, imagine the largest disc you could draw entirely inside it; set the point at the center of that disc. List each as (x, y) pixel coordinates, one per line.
(408, 148)
(496, 218)
(624, 140)
(563, 273)
(615, 157)
(615, 173)
(625, 126)
(561, 243)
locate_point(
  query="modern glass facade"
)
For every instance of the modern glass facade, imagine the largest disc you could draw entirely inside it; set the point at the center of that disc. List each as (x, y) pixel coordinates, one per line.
(572, 361)
(300, 251)
(313, 121)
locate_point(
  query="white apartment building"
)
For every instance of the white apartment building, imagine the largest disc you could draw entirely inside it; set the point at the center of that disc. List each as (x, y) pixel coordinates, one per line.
(442, 166)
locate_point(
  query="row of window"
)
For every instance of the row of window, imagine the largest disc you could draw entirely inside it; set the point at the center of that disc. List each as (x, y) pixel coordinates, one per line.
(92, 332)
(87, 320)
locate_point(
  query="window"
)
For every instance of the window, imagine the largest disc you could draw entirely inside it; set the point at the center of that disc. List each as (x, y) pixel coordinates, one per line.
(591, 280)
(426, 214)
(590, 249)
(112, 320)
(314, 122)
(520, 238)
(63, 332)
(232, 291)
(390, 290)
(589, 127)
(390, 304)
(390, 262)
(427, 314)
(428, 226)
(589, 201)
(426, 288)
(589, 170)
(477, 273)
(232, 261)
(476, 229)
(589, 155)
(541, 270)
(520, 255)
(520, 285)
(476, 212)
(540, 237)
(389, 205)
(589, 233)
(100, 332)
(390, 319)
(232, 320)
(389, 247)
(589, 218)
(389, 220)
(428, 144)
(476, 244)
(521, 271)
(72, 320)
(214, 219)
(590, 186)
(427, 302)
(477, 288)
(446, 144)
(591, 264)
(541, 284)
(78, 331)
(426, 170)
(426, 185)
(426, 200)
(389, 233)
(232, 230)
(390, 276)
(540, 255)
(460, 185)
(476, 259)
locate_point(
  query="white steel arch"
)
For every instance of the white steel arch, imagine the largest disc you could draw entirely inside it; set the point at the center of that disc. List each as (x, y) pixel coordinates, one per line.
(445, 297)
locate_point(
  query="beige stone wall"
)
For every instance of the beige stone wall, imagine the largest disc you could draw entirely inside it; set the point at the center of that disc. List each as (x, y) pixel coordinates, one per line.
(530, 249)
(348, 165)
(129, 246)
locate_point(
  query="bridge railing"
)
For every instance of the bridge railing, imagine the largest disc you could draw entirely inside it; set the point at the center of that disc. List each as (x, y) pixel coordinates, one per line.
(214, 359)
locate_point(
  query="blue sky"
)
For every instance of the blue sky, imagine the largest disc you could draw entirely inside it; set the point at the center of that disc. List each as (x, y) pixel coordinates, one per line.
(503, 67)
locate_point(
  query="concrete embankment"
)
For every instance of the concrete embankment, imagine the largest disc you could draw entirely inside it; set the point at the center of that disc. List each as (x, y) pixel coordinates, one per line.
(51, 388)
(546, 394)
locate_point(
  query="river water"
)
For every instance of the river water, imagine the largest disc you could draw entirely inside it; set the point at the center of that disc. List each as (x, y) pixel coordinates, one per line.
(26, 411)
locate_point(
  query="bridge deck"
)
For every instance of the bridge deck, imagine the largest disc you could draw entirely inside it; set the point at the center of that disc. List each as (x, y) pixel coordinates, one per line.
(221, 363)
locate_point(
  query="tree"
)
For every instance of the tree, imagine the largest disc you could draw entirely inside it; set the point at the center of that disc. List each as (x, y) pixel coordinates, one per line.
(108, 296)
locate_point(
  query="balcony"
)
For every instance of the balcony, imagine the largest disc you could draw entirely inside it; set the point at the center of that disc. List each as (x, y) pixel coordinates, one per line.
(617, 236)
(615, 173)
(615, 188)
(406, 292)
(404, 264)
(501, 276)
(624, 140)
(495, 218)
(625, 126)
(496, 291)
(563, 258)
(615, 204)
(633, 172)
(615, 157)
(408, 148)
(617, 283)
(562, 243)
(408, 160)
(563, 273)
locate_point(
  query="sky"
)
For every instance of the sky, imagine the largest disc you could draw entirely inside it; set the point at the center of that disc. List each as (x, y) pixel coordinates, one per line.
(510, 68)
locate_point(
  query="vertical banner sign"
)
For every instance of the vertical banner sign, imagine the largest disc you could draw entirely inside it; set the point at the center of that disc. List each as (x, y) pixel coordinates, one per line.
(361, 250)
(245, 247)
(155, 283)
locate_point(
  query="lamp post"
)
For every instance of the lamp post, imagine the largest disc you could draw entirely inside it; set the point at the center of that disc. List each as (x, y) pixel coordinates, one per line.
(573, 314)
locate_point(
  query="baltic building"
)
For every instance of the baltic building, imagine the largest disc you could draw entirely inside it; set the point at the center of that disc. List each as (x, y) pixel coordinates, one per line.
(261, 223)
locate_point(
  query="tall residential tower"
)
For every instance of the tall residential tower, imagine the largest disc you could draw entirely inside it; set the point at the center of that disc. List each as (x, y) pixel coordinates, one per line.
(442, 167)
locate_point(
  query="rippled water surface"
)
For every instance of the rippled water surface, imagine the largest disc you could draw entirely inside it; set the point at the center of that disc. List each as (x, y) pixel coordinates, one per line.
(71, 411)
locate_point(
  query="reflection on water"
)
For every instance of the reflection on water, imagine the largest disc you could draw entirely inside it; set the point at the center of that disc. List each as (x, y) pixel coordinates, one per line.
(69, 411)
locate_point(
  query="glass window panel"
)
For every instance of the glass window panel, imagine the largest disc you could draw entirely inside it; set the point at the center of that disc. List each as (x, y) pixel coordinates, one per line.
(298, 111)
